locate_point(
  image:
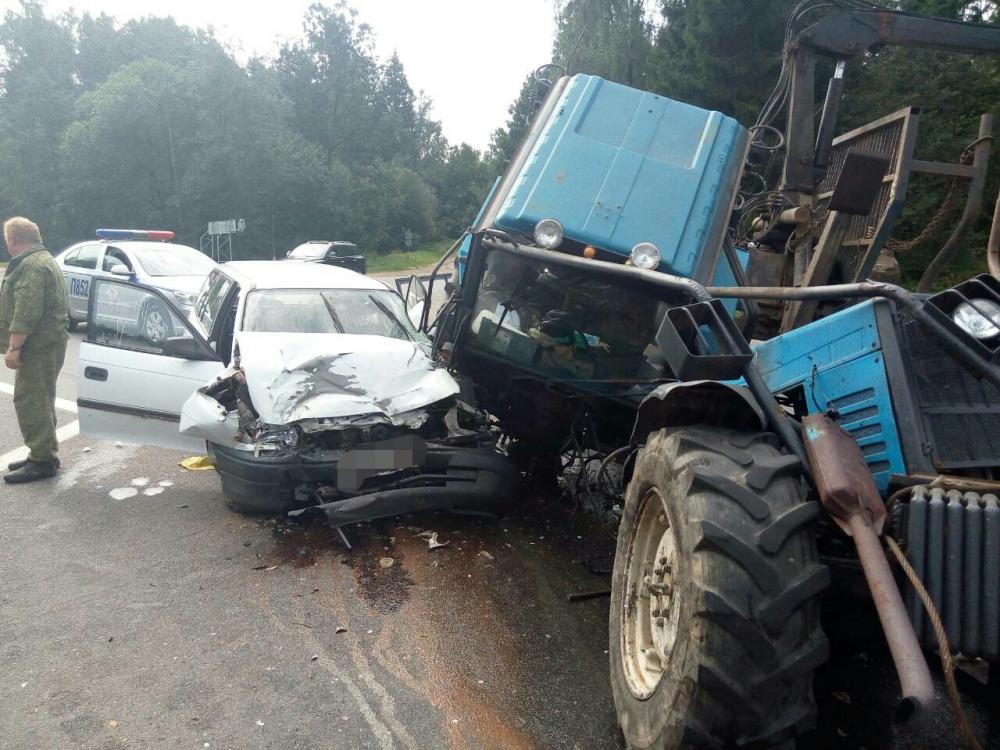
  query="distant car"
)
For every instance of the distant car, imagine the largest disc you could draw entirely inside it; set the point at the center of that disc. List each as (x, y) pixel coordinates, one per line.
(309, 385)
(142, 256)
(343, 254)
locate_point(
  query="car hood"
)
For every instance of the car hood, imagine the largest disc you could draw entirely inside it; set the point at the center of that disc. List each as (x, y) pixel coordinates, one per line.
(292, 377)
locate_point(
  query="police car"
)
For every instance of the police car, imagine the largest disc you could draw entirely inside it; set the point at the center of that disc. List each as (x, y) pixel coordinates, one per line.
(143, 256)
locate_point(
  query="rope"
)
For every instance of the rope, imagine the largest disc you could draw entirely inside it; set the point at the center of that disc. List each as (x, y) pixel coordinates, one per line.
(947, 664)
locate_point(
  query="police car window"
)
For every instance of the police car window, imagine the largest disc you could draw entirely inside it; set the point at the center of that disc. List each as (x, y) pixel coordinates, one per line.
(70, 259)
(113, 257)
(87, 256)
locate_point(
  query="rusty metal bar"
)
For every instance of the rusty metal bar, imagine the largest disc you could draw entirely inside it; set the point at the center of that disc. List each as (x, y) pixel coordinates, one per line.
(849, 495)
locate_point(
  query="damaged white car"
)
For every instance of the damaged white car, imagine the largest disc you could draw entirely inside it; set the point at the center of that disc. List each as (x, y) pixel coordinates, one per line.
(308, 384)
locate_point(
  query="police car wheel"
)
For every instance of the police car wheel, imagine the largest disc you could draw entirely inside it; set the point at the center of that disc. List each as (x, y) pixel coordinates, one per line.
(155, 326)
(73, 325)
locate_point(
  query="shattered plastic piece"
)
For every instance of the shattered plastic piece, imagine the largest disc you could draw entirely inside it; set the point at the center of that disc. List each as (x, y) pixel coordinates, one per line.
(88, 449)
(260, 723)
(340, 629)
(386, 562)
(433, 543)
(264, 567)
(486, 554)
(314, 657)
(121, 493)
(197, 463)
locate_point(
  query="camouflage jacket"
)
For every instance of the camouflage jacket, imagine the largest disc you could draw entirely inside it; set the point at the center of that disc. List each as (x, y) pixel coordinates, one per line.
(33, 300)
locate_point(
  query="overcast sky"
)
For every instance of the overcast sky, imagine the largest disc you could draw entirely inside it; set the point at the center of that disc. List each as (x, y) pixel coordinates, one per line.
(469, 56)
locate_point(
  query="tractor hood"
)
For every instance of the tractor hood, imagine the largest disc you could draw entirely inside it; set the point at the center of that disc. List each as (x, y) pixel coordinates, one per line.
(293, 377)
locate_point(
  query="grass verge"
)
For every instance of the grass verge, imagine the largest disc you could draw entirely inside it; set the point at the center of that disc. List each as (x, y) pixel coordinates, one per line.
(402, 261)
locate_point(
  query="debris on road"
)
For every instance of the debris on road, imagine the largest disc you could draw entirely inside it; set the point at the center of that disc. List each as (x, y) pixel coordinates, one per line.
(432, 539)
(196, 463)
(386, 562)
(340, 629)
(264, 567)
(487, 555)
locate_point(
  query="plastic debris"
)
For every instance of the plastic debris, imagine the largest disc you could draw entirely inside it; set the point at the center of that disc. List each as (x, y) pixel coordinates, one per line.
(197, 463)
(88, 449)
(340, 629)
(486, 554)
(432, 541)
(314, 657)
(264, 567)
(386, 562)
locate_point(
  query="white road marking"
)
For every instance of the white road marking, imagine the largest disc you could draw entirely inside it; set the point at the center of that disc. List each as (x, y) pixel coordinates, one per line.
(63, 434)
(61, 403)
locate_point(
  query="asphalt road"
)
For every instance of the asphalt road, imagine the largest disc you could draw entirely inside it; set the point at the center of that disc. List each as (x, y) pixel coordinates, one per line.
(161, 619)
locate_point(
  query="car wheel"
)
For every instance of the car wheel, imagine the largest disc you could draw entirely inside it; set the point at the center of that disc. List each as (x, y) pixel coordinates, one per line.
(714, 622)
(72, 325)
(155, 326)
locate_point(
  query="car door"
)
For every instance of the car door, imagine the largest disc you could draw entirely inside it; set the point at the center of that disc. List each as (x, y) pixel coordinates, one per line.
(78, 270)
(129, 387)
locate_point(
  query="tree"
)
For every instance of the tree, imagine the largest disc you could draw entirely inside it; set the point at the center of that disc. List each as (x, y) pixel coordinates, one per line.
(506, 139)
(609, 38)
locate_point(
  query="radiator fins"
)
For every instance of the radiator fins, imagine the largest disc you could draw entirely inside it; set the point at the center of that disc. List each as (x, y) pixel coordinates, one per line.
(952, 539)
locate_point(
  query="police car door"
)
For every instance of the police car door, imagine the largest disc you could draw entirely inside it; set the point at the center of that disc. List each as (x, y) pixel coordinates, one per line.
(79, 268)
(129, 386)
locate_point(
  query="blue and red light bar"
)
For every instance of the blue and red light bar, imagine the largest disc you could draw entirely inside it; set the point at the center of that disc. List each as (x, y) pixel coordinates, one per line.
(134, 234)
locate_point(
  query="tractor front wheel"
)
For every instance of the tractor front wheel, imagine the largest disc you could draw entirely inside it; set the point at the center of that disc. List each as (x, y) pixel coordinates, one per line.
(714, 623)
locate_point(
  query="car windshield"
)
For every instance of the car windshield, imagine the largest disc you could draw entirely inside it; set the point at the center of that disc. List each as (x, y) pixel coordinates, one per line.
(565, 323)
(172, 260)
(309, 250)
(371, 312)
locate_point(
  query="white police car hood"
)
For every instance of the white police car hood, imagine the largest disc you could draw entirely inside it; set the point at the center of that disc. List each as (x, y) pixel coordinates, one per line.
(324, 381)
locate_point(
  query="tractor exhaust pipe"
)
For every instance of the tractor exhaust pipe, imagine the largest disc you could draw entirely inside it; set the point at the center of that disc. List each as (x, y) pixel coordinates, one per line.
(849, 495)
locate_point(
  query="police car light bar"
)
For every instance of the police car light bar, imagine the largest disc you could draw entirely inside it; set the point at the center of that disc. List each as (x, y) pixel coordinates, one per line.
(134, 234)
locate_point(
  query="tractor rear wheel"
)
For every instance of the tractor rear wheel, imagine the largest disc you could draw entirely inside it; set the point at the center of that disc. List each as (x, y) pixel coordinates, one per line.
(714, 623)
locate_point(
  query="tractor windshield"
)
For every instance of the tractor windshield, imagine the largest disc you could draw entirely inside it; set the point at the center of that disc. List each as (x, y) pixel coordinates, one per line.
(566, 324)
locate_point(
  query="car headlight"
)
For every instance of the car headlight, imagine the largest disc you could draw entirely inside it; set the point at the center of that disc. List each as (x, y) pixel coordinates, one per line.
(185, 298)
(284, 437)
(548, 234)
(981, 321)
(645, 255)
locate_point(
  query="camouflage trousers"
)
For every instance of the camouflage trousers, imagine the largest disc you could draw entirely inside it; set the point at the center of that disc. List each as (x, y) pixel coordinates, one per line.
(35, 399)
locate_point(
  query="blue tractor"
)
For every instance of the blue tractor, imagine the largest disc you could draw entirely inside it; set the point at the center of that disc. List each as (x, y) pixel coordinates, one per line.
(609, 294)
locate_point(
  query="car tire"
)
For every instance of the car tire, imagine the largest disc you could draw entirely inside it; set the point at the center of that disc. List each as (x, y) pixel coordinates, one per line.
(155, 323)
(714, 621)
(72, 325)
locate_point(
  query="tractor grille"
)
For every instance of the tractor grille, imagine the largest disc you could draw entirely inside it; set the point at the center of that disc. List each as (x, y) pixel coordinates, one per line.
(961, 414)
(952, 539)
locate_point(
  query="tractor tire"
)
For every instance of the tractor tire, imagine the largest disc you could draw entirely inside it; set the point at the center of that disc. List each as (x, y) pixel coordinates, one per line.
(715, 621)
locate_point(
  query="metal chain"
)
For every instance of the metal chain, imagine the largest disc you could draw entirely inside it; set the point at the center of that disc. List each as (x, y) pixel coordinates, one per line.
(947, 206)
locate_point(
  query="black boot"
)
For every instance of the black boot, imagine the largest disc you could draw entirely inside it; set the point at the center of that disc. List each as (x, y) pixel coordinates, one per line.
(15, 465)
(32, 471)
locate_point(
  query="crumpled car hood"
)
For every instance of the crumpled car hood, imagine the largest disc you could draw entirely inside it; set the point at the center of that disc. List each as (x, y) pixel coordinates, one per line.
(292, 377)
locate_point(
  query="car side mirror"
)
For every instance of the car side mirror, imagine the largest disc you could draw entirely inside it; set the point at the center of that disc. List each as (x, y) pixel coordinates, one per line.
(120, 269)
(183, 347)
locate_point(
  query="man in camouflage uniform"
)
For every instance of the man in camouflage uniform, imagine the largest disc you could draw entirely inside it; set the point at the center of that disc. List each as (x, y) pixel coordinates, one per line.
(33, 322)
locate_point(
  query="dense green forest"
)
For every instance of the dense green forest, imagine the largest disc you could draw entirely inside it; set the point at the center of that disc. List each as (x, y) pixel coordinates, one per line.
(149, 123)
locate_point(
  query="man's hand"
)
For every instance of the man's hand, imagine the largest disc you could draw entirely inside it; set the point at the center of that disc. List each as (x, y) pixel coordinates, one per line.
(12, 359)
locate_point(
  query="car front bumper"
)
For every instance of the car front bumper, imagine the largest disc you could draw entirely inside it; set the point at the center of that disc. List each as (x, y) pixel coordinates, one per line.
(451, 478)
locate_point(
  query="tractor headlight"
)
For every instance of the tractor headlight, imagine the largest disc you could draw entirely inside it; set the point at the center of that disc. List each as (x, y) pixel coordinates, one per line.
(645, 255)
(981, 321)
(548, 234)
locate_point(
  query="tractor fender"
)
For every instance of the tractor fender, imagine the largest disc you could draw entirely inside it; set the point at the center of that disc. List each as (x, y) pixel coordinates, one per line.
(697, 402)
